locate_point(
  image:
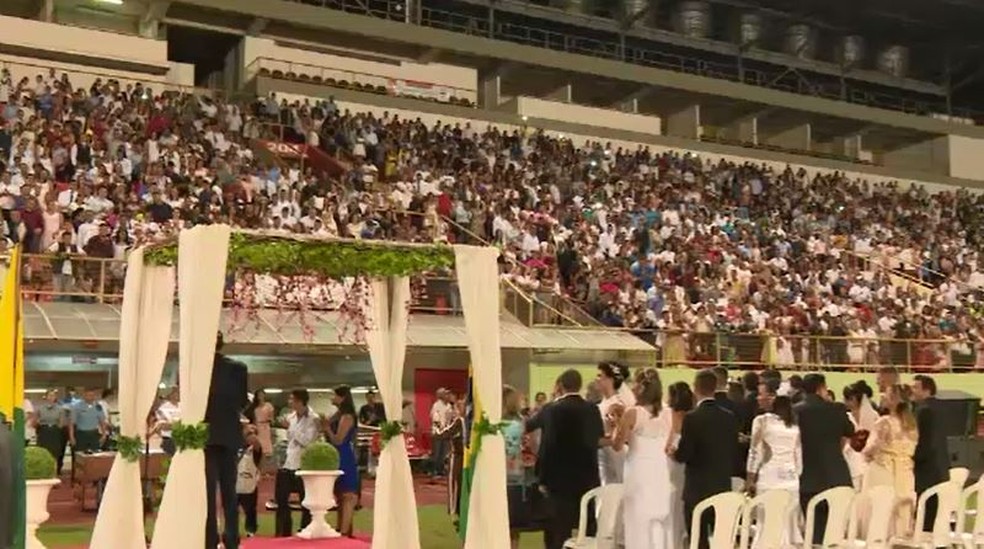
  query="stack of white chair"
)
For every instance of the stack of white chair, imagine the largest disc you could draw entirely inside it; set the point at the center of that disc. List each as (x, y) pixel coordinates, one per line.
(975, 537)
(942, 534)
(608, 507)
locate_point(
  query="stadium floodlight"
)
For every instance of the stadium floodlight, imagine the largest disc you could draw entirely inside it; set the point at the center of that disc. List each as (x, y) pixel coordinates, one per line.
(113, 2)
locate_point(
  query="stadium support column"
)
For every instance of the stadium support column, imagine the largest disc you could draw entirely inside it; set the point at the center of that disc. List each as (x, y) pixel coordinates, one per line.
(848, 145)
(563, 94)
(928, 156)
(489, 91)
(743, 130)
(47, 13)
(684, 122)
(797, 138)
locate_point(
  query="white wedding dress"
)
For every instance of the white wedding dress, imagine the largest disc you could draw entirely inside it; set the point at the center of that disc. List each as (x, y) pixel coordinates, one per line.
(776, 456)
(646, 508)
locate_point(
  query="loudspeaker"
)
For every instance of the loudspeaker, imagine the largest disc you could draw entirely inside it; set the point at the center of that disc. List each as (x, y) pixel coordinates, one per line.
(957, 413)
(967, 452)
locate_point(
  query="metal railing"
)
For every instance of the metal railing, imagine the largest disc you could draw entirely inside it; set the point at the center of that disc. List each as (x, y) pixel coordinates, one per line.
(813, 352)
(85, 279)
(616, 49)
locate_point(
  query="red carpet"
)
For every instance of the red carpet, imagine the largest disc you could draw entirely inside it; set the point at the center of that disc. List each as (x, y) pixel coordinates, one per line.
(361, 542)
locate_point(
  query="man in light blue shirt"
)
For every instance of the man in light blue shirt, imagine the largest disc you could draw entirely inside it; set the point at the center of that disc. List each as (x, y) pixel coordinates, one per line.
(87, 428)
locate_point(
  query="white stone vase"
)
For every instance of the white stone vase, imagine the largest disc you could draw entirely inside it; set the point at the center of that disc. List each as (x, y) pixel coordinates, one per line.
(37, 509)
(319, 497)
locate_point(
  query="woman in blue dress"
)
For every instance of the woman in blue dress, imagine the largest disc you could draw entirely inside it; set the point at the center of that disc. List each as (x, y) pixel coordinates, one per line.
(340, 432)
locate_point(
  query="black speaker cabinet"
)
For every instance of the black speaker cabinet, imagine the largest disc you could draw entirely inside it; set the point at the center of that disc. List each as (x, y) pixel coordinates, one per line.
(967, 452)
(957, 413)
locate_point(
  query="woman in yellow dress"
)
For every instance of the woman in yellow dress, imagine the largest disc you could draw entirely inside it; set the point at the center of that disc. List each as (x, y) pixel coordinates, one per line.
(890, 452)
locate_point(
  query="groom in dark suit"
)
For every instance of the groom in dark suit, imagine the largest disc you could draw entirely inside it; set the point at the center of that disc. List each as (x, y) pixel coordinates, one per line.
(227, 397)
(931, 461)
(824, 428)
(567, 464)
(708, 448)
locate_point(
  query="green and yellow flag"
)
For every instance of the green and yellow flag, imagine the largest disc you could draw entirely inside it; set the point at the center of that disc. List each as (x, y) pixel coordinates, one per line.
(12, 388)
(473, 414)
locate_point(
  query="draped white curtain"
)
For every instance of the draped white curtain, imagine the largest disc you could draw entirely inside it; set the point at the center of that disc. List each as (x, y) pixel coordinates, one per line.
(202, 255)
(145, 328)
(478, 282)
(395, 509)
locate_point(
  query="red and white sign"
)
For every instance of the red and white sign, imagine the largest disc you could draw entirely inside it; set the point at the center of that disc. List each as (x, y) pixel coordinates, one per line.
(422, 90)
(293, 151)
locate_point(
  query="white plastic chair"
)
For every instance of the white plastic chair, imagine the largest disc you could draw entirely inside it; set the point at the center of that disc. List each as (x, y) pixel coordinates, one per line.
(959, 475)
(727, 508)
(880, 504)
(948, 500)
(771, 523)
(840, 506)
(608, 507)
(974, 538)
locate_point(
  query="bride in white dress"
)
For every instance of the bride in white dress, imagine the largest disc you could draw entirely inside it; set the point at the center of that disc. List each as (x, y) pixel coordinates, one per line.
(775, 459)
(646, 429)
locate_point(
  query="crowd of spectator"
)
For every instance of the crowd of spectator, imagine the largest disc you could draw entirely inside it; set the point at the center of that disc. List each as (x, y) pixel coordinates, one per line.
(640, 239)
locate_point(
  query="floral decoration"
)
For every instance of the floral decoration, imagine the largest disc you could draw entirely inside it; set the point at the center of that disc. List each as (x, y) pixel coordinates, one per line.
(189, 436)
(129, 448)
(388, 430)
(300, 277)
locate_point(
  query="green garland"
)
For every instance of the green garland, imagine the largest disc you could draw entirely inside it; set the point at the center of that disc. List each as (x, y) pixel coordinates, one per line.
(484, 427)
(329, 258)
(129, 448)
(388, 430)
(189, 437)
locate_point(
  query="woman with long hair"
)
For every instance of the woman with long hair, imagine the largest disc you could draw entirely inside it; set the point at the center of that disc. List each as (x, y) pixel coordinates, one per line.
(775, 457)
(646, 428)
(260, 413)
(889, 453)
(340, 431)
(681, 402)
(857, 398)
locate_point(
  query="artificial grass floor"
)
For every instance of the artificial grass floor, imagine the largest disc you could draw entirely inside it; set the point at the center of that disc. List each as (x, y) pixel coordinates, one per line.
(436, 530)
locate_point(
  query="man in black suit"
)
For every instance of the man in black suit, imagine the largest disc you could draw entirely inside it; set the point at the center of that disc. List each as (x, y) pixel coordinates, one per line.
(721, 389)
(708, 447)
(824, 428)
(227, 397)
(567, 465)
(931, 461)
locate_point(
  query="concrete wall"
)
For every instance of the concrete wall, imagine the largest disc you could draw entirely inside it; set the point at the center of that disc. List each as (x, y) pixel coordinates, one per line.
(359, 67)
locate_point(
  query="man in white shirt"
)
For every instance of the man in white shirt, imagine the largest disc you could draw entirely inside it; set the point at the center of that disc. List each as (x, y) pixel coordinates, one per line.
(303, 428)
(168, 413)
(441, 415)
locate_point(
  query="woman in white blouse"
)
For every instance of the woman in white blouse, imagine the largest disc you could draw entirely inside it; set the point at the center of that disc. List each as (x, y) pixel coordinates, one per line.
(775, 458)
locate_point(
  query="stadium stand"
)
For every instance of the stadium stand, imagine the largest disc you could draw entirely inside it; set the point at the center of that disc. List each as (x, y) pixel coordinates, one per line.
(649, 241)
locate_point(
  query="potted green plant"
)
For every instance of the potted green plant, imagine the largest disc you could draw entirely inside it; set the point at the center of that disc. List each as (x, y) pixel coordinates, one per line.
(319, 471)
(40, 472)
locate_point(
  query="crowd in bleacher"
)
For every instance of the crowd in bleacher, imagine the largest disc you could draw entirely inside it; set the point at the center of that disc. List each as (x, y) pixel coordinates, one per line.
(640, 239)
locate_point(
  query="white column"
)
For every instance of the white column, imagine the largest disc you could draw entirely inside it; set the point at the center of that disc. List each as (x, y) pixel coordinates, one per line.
(478, 281)
(145, 331)
(202, 255)
(395, 508)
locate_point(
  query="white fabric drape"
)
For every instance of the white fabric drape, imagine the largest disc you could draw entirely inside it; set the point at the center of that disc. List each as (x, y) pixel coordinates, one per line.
(395, 508)
(145, 330)
(478, 282)
(202, 256)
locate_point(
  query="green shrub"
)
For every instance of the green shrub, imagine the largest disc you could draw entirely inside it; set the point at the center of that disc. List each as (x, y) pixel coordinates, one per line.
(39, 464)
(319, 456)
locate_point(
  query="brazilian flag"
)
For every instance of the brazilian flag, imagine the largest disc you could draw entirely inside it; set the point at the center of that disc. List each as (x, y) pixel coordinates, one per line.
(473, 413)
(12, 392)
